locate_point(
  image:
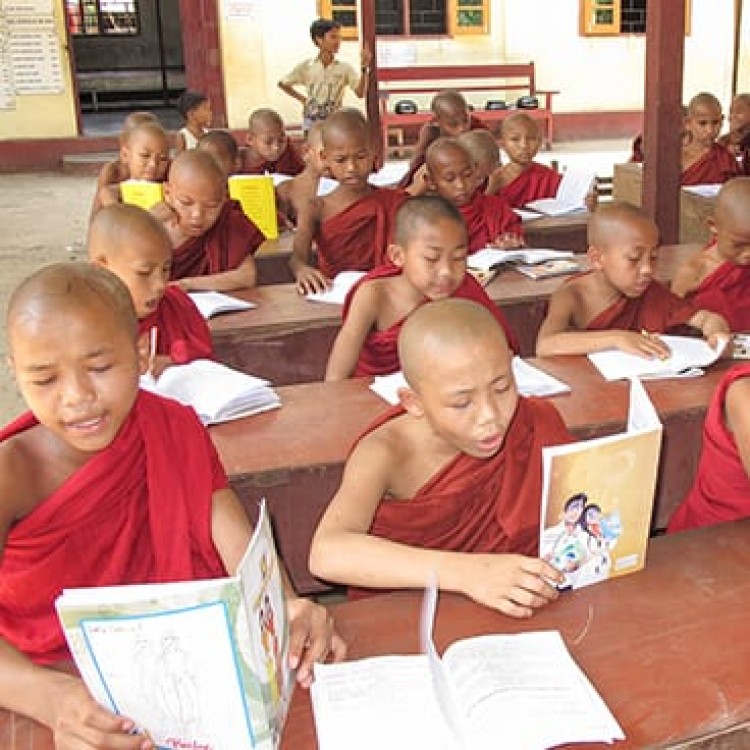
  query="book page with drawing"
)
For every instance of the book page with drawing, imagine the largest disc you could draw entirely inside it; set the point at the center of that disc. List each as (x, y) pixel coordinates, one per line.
(597, 498)
(197, 664)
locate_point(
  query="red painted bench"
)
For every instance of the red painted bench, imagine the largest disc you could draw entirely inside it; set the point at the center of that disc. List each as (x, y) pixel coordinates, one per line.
(506, 82)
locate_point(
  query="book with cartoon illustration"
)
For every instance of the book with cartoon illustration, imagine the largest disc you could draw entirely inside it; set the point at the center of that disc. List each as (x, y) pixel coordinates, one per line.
(597, 498)
(195, 664)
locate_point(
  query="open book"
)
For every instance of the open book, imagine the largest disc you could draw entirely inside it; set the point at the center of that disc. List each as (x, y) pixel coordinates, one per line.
(256, 195)
(197, 664)
(142, 193)
(521, 691)
(597, 497)
(492, 257)
(340, 287)
(214, 303)
(530, 381)
(687, 357)
(571, 194)
(216, 392)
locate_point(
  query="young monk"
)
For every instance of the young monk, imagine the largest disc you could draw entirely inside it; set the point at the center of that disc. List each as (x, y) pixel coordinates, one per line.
(352, 225)
(134, 245)
(489, 219)
(427, 263)
(212, 239)
(447, 484)
(293, 195)
(145, 153)
(222, 146)
(721, 490)
(485, 154)
(618, 304)
(737, 140)
(522, 179)
(451, 117)
(703, 160)
(717, 278)
(102, 484)
(268, 148)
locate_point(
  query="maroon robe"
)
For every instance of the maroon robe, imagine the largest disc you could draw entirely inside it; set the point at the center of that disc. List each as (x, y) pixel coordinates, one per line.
(537, 181)
(717, 165)
(488, 217)
(289, 163)
(137, 512)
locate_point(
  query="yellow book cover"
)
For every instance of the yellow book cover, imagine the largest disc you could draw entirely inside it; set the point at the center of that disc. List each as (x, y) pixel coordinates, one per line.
(142, 193)
(597, 498)
(257, 197)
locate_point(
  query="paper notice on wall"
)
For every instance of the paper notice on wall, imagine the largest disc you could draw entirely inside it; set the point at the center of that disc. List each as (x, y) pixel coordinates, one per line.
(242, 9)
(34, 52)
(396, 54)
(7, 90)
(27, 7)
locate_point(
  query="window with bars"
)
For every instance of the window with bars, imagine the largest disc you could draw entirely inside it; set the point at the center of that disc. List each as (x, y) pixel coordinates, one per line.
(413, 18)
(102, 17)
(615, 17)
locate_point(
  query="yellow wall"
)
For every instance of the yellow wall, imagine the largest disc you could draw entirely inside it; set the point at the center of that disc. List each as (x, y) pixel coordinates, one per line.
(592, 74)
(44, 115)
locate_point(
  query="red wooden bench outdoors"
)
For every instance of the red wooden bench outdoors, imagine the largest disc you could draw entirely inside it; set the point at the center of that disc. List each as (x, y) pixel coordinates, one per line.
(503, 82)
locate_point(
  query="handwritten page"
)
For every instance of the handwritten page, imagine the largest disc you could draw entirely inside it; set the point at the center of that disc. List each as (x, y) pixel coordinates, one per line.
(687, 357)
(341, 286)
(530, 381)
(213, 303)
(571, 194)
(491, 257)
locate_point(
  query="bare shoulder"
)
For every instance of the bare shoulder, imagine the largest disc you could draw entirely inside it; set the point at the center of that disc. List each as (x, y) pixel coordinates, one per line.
(737, 400)
(692, 272)
(18, 468)
(385, 447)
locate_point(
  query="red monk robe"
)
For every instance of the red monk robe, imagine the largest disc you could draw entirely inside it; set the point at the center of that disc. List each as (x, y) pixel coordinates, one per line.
(483, 505)
(657, 310)
(182, 332)
(356, 238)
(429, 133)
(129, 515)
(717, 165)
(537, 181)
(726, 291)
(221, 248)
(379, 355)
(289, 163)
(488, 217)
(721, 490)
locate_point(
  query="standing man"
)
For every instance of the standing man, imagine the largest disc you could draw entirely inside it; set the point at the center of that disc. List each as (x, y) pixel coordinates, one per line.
(324, 77)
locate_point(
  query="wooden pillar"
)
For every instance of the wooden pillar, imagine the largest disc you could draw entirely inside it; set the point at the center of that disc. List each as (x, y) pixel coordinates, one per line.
(663, 119)
(372, 105)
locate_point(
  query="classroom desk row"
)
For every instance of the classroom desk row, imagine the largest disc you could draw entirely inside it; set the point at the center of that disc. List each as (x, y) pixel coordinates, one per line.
(558, 232)
(294, 456)
(286, 338)
(666, 647)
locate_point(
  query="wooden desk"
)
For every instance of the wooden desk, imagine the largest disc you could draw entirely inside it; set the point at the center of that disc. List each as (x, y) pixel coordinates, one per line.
(294, 456)
(667, 647)
(287, 339)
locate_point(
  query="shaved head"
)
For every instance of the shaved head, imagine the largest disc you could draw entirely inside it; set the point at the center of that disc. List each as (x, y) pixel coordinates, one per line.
(425, 209)
(482, 146)
(448, 102)
(197, 163)
(265, 118)
(347, 123)
(519, 120)
(732, 210)
(443, 148)
(609, 220)
(122, 227)
(145, 128)
(704, 100)
(69, 287)
(742, 99)
(442, 331)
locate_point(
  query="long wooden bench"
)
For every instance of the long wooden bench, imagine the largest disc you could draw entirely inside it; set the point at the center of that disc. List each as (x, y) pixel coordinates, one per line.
(496, 82)
(147, 82)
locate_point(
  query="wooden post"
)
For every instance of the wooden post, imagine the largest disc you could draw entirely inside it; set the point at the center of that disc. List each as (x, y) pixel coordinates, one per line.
(372, 105)
(663, 118)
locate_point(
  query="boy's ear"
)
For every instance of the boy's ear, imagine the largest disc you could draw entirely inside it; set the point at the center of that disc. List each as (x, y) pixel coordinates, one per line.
(124, 153)
(712, 230)
(594, 254)
(143, 346)
(395, 254)
(427, 177)
(99, 260)
(411, 401)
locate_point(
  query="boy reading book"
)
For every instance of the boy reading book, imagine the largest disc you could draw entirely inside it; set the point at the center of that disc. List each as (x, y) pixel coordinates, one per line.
(522, 179)
(717, 278)
(212, 239)
(145, 154)
(268, 149)
(132, 244)
(704, 161)
(721, 489)
(489, 219)
(352, 225)
(101, 484)
(618, 304)
(427, 263)
(448, 484)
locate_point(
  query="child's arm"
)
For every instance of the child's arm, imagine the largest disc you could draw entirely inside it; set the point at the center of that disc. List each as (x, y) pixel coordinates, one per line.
(711, 325)
(419, 184)
(343, 551)
(242, 277)
(688, 276)
(307, 278)
(312, 636)
(558, 334)
(737, 416)
(351, 338)
(291, 91)
(365, 58)
(109, 174)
